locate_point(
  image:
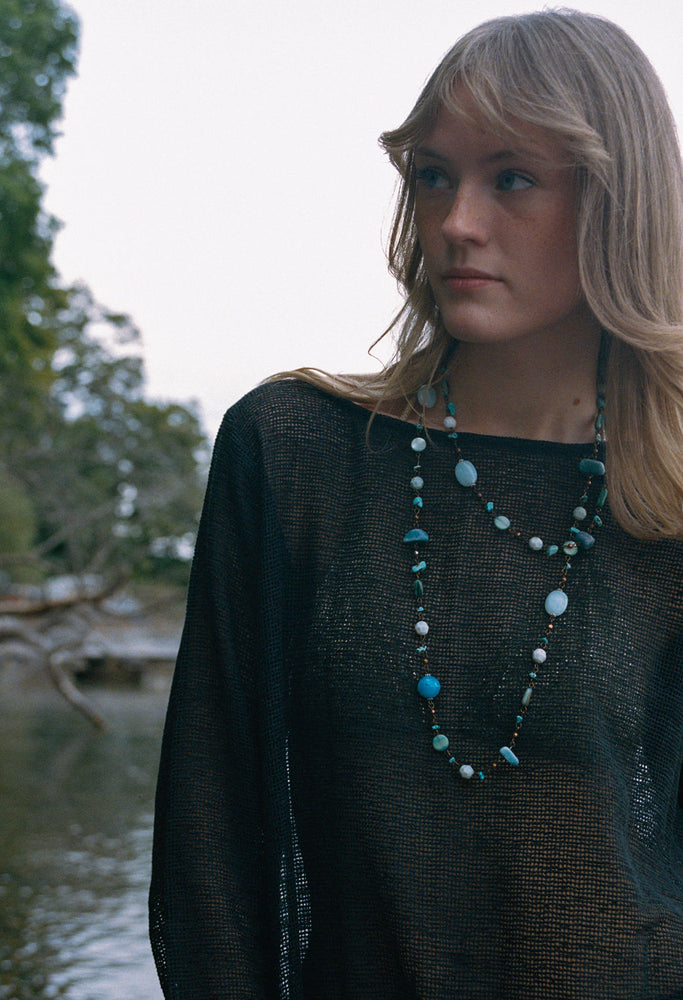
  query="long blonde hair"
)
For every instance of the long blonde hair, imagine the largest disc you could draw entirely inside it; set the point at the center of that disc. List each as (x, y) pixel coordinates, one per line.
(584, 81)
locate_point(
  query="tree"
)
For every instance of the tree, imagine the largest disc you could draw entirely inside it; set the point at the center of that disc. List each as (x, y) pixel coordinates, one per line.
(96, 477)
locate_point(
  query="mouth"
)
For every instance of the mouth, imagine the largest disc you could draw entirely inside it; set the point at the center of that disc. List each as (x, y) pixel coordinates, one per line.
(467, 277)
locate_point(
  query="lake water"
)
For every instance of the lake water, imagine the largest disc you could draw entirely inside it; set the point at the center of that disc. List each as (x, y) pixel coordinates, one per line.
(76, 810)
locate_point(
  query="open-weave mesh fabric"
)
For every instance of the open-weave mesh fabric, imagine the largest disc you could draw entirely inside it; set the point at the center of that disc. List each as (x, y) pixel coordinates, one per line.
(309, 841)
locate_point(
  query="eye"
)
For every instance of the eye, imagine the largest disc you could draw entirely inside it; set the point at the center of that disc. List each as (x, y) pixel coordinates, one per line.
(432, 178)
(511, 180)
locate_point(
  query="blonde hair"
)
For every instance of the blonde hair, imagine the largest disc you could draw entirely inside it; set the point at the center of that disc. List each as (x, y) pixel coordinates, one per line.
(585, 82)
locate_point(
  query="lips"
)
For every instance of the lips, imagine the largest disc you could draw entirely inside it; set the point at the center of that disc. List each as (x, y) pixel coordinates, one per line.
(467, 277)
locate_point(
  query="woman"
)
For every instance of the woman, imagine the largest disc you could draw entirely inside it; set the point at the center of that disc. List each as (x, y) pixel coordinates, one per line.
(426, 730)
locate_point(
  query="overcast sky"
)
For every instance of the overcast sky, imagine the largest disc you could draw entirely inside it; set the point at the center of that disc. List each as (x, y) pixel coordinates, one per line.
(219, 176)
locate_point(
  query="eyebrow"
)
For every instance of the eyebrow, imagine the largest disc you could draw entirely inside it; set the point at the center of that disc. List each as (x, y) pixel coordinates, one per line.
(497, 157)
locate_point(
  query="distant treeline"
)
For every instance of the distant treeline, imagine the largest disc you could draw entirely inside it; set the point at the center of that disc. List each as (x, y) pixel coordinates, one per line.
(94, 477)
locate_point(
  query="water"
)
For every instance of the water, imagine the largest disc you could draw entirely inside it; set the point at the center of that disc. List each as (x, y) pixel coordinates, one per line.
(76, 810)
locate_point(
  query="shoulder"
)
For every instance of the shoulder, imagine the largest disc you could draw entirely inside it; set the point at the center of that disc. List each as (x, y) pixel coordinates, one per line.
(291, 414)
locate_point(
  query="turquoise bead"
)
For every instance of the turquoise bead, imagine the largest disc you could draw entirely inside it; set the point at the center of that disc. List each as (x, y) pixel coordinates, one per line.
(507, 754)
(418, 502)
(426, 396)
(519, 720)
(597, 521)
(602, 497)
(418, 588)
(502, 522)
(465, 473)
(591, 467)
(416, 535)
(428, 686)
(440, 742)
(418, 567)
(451, 408)
(489, 507)
(585, 539)
(556, 603)
(553, 550)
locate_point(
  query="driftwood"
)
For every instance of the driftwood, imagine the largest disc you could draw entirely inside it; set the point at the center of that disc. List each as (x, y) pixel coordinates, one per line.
(47, 639)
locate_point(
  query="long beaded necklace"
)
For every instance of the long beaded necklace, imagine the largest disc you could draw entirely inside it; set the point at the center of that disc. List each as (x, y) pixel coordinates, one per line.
(580, 538)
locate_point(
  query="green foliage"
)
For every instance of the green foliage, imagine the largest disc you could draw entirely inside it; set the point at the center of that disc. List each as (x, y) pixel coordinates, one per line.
(93, 476)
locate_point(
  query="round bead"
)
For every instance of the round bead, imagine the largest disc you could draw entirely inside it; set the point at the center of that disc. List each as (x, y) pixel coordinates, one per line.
(465, 473)
(466, 772)
(449, 423)
(426, 396)
(418, 444)
(536, 543)
(556, 603)
(440, 742)
(428, 686)
(421, 627)
(580, 513)
(570, 548)
(539, 655)
(417, 482)
(502, 522)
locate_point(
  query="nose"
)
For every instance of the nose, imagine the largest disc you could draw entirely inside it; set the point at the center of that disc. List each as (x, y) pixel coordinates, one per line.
(466, 220)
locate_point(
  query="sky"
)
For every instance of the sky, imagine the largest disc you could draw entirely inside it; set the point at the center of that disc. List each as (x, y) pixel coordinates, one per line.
(219, 177)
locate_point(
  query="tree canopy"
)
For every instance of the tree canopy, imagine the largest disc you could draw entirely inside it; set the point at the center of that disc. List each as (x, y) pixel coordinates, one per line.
(94, 477)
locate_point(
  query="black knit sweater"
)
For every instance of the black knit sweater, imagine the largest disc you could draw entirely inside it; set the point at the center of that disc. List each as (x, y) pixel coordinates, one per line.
(310, 842)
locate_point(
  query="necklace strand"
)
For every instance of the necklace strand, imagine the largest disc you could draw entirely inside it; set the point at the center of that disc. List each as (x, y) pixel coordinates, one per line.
(580, 538)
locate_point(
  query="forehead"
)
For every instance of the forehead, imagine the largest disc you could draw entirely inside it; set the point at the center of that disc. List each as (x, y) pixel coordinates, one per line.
(461, 123)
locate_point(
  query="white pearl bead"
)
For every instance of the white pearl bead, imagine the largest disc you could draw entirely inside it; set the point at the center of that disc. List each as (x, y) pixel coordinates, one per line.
(536, 543)
(421, 628)
(580, 513)
(449, 423)
(539, 655)
(466, 771)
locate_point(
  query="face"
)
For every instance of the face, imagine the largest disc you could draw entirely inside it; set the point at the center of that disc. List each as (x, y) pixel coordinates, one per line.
(495, 219)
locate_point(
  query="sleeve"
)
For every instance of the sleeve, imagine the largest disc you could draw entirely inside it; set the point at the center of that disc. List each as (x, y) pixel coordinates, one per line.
(214, 905)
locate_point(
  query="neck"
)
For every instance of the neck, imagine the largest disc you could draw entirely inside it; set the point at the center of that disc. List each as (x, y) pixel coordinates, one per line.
(515, 390)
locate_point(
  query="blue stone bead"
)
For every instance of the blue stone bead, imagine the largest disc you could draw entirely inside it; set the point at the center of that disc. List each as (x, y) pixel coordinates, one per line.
(597, 521)
(556, 603)
(428, 686)
(585, 539)
(502, 522)
(440, 742)
(602, 497)
(489, 507)
(507, 754)
(553, 550)
(418, 567)
(591, 467)
(451, 408)
(465, 473)
(426, 396)
(519, 720)
(416, 535)
(417, 502)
